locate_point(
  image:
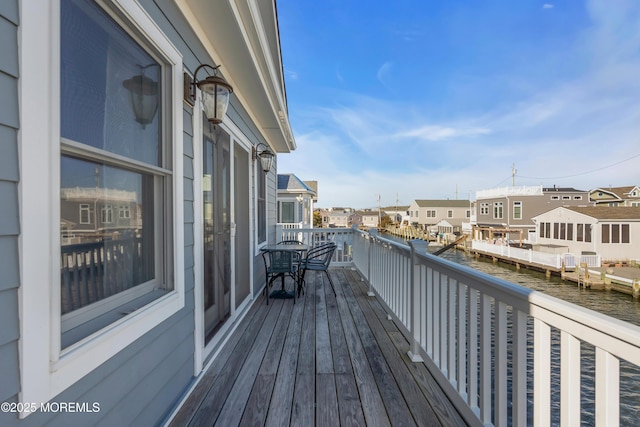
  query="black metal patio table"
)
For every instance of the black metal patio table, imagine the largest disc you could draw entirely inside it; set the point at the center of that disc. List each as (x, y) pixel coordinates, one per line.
(294, 248)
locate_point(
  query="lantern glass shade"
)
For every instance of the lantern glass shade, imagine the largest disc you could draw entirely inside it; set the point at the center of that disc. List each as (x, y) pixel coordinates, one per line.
(144, 98)
(266, 160)
(215, 98)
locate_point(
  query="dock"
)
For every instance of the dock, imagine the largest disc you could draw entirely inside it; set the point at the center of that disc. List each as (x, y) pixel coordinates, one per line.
(620, 279)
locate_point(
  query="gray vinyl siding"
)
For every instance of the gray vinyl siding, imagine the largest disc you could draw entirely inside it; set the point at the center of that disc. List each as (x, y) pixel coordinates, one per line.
(9, 210)
(141, 384)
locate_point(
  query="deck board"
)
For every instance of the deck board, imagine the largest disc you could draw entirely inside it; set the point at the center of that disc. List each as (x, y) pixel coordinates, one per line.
(325, 360)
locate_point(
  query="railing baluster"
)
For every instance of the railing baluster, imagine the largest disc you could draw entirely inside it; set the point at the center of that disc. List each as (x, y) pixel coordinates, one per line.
(444, 324)
(569, 380)
(437, 332)
(462, 339)
(485, 359)
(519, 370)
(472, 350)
(451, 346)
(500, 387)
(430, 303)
(541, 374)
(607, 389)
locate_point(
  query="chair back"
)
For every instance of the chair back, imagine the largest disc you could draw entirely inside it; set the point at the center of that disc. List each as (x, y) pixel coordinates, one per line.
(281, 261)
(321, 254)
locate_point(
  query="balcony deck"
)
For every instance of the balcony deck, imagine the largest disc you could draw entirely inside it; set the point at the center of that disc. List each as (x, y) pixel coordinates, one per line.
(324, 361)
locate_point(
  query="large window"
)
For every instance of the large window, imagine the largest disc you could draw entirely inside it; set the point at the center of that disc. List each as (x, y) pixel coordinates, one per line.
(109, 155)
(102, 163)
(615, 233)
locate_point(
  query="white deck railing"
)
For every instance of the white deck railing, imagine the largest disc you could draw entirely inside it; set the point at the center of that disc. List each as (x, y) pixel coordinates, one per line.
(505, 354)
(313, 236)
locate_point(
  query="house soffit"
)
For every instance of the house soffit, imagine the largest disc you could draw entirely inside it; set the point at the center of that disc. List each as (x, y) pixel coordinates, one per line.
(239, 38)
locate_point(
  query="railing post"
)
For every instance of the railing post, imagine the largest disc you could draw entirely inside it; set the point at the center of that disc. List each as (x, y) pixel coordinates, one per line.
(416, 245)
(373, 233)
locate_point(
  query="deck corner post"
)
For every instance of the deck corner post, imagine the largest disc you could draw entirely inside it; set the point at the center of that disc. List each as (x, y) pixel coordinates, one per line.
(420, 246)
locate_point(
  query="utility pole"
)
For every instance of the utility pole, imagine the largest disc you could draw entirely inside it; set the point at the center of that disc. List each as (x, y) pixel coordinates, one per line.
(513, 174)
(379, 218)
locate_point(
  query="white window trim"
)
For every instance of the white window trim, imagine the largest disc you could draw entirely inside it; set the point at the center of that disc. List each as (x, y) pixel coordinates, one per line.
(45, 369)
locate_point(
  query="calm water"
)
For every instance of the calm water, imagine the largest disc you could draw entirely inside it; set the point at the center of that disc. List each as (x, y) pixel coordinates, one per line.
(613, 304)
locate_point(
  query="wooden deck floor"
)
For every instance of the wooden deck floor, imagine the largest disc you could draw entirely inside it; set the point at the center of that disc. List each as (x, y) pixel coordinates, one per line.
(323, 361)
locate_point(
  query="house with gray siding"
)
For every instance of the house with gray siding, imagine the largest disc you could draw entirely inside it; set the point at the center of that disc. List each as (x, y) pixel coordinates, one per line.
(131, 221)
(508, 212)
(426, 214)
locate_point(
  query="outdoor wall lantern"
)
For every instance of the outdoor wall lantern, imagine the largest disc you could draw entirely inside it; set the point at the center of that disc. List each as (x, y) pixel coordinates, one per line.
(215, 93)
(144, 96)
(266, 156)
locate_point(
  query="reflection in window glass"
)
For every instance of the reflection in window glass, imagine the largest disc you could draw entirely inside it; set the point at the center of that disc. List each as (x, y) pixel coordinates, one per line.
(103, 255)
(109, 85)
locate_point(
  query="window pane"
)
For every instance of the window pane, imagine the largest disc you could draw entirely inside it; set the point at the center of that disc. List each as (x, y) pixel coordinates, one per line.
(105, 254)
(109, 86)
(287, 212)
(605, 233)
(625, 233)
(615, 233)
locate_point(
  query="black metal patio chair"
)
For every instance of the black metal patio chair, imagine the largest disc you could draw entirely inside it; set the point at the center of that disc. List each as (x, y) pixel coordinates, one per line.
(318, 259)
(280, 263)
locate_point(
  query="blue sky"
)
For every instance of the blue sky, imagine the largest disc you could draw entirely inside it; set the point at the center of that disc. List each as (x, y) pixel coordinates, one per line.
(436, 100)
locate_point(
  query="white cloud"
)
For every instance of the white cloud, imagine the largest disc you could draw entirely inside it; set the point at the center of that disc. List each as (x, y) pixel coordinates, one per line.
(293, 75)
(438, 133)
(547, 6)
(383, 74)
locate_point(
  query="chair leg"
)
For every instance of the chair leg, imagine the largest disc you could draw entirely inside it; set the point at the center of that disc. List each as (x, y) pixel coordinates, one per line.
(301, 282)
(331, 281)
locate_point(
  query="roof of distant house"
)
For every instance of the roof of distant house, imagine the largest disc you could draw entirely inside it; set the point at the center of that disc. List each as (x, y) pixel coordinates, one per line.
(562, 190)
(621, 192)
(606, 212)
(290, 182)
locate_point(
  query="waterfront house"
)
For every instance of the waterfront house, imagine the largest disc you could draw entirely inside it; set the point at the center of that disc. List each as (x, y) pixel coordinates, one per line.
(396, 213)
(119, 166)
(616, 196)
(507, 212)
(295, 202)
(339, 217)
(612, 233)
(368, 218)
(426, 214)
